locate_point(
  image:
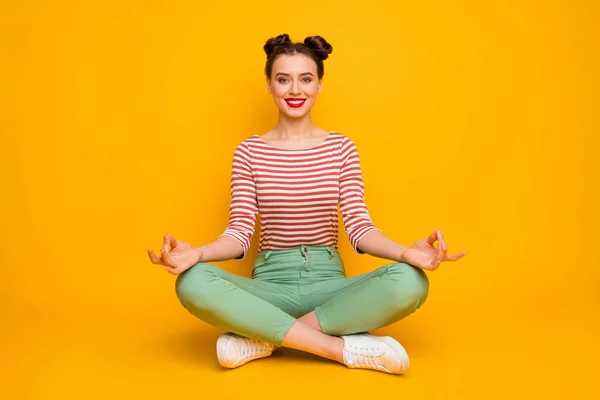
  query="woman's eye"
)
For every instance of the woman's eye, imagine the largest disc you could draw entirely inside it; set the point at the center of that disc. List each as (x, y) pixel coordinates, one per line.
(283, 80)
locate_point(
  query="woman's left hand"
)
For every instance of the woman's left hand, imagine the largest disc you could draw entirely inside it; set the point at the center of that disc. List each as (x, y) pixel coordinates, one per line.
(422, 254)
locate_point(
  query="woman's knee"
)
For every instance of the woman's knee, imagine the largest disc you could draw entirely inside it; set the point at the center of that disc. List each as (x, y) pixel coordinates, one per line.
(191, 284)
(412, 284)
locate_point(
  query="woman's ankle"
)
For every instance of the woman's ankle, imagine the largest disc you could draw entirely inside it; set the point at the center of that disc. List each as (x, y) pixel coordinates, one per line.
(337, 349)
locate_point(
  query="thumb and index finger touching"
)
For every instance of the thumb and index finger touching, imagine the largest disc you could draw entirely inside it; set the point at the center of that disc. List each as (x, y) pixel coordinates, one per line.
(169, 242)
(442, 247)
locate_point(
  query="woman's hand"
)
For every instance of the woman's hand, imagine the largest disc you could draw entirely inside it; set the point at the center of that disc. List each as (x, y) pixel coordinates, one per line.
(422, 254)
(176, 255)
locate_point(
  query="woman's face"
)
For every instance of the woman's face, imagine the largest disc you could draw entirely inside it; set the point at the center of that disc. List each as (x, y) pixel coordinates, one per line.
(294, 84)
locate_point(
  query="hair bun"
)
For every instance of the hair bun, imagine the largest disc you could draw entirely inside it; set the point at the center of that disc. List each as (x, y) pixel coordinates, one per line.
(276, 41)
(319, 45)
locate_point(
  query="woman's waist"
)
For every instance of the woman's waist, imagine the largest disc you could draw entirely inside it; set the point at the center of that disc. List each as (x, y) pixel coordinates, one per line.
(302, 260)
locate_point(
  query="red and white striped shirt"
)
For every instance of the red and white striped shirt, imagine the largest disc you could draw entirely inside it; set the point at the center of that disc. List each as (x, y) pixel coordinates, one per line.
(297, 193)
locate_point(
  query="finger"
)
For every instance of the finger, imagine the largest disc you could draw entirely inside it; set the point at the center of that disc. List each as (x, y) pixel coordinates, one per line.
(167, 259)
(166, 242)
(154, 258)
(172, 241)
(441, 252)
(172, 270)
(454, 257)
(431, 238)
(442, 240)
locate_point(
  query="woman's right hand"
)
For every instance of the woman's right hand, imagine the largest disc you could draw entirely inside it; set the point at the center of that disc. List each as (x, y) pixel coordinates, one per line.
(176, 255)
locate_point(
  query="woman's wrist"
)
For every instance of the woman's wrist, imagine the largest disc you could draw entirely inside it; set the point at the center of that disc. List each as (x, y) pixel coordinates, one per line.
(223, 248)
(400, 257)
(201, 254)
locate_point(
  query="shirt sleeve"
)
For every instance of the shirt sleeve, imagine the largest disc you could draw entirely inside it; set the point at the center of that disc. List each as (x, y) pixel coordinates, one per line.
(355, 214)
(244, 206)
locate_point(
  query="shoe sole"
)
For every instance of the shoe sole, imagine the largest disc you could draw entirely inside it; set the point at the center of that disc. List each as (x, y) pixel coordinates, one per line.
(222, 342)
(397, 348)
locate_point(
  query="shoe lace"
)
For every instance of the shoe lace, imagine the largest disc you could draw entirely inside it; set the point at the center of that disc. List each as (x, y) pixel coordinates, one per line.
(251, 347)
(366, 357)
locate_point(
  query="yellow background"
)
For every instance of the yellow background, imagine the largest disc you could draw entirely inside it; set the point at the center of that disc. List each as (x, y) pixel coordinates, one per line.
(118, 122)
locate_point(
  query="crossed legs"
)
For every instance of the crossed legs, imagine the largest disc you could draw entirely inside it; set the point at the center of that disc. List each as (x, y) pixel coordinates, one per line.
(263, 310)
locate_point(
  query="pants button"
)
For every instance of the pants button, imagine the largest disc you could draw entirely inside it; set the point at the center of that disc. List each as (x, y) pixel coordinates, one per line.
(305, 250)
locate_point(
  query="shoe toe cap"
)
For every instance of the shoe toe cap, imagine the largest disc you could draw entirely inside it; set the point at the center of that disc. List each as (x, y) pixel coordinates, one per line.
(397, 356)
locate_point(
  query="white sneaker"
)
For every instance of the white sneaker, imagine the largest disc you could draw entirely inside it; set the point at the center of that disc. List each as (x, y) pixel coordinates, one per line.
(382, 353)
(234, 350)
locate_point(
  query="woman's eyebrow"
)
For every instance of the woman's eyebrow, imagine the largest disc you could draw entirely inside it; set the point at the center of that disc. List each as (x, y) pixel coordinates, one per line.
(304, 73)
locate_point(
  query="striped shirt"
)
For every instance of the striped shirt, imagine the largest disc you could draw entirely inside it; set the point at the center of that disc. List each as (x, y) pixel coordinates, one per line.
(297, 193)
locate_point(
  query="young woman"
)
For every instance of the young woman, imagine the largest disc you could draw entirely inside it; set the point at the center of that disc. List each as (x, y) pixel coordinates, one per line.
(295, 176)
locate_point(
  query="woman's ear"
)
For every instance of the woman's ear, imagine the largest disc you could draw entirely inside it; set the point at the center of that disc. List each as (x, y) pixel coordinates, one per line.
(320, 85)
(268, 85)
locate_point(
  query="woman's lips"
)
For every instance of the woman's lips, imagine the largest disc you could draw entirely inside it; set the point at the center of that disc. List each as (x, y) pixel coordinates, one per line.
(295, 103)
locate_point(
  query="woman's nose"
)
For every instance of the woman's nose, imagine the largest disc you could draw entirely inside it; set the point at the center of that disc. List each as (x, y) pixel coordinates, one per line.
(295, 88)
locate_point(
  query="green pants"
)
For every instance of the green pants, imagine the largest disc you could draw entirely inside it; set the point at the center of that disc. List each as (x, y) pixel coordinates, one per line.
(287, 284)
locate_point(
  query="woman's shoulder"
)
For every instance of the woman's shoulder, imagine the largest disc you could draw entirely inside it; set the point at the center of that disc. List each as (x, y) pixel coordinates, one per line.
(344, 140)
(246, 142)
(341, 137)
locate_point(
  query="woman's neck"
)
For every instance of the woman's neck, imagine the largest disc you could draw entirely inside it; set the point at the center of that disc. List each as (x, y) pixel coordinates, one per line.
(294, 128)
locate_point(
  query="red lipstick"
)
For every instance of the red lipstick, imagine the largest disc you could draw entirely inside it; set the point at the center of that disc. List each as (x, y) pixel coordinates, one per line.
(295, 102)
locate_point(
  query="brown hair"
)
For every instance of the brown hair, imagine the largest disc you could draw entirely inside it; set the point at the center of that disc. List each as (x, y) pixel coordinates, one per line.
(314, 47)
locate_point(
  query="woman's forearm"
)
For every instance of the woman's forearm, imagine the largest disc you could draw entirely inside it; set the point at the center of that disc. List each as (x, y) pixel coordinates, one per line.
(379, 245)
(222, 249)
